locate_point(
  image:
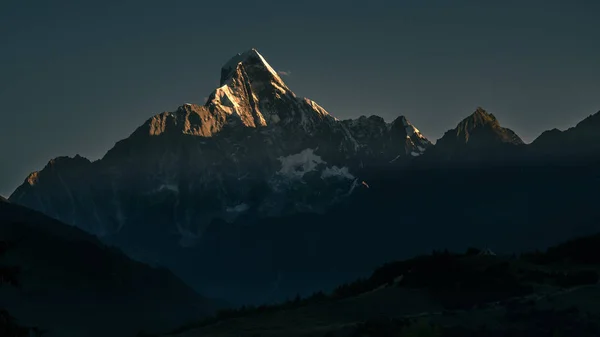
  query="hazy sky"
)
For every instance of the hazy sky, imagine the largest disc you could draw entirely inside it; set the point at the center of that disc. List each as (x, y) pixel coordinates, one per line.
(76, 78)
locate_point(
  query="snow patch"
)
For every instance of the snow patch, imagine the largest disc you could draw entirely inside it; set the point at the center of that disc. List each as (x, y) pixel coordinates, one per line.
(275, 119)
(241, 57)
(393, 160)
(168, 187)
(415, 154)
(316, 107)
(226, 98)
(278, 86)
(297, 165)
(411, 130)
(238, 208)
(336, 172)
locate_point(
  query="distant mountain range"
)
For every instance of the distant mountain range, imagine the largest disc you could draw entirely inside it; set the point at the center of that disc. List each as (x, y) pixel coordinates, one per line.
(258, 193)
(581, 142)
(251, 149)
(70, 284)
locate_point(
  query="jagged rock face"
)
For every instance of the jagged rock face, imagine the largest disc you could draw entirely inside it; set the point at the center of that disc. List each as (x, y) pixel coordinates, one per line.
(402, 136)
(253, 150)
(481, 129)
(479, 137)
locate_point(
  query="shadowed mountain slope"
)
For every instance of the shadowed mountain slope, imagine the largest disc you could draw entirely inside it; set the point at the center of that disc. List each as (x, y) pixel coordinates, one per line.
(73, 285)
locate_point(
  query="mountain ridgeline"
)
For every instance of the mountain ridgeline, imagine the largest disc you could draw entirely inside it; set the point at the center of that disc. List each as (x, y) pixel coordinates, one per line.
(259, 194)
(249, 149)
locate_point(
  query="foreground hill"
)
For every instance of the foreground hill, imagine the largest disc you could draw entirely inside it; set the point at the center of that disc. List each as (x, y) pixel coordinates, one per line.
(73, 285)
(554, 293)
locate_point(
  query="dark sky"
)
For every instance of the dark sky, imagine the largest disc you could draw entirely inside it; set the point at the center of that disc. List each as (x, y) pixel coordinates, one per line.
(76, 78)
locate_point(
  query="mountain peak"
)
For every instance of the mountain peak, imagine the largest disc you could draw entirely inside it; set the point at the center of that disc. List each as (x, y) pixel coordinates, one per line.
(254, 64)
(479, 117)
(411, 130)
(401, 120)
(480, 111)
(251, 94)
(480, 130)
(579, 141)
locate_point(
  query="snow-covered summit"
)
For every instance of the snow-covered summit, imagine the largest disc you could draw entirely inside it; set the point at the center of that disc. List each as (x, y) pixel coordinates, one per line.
(410, 129)
(416, 139)
(252, 92)
(253, 96)
(253, 67)
(251, 56)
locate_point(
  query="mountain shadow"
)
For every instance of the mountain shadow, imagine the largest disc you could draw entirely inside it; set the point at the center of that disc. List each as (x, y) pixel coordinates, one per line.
(70, 284)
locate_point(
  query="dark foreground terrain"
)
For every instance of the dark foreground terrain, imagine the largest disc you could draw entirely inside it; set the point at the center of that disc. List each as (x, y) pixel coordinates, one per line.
(69, 284)
(65, 282)
(552, 293)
